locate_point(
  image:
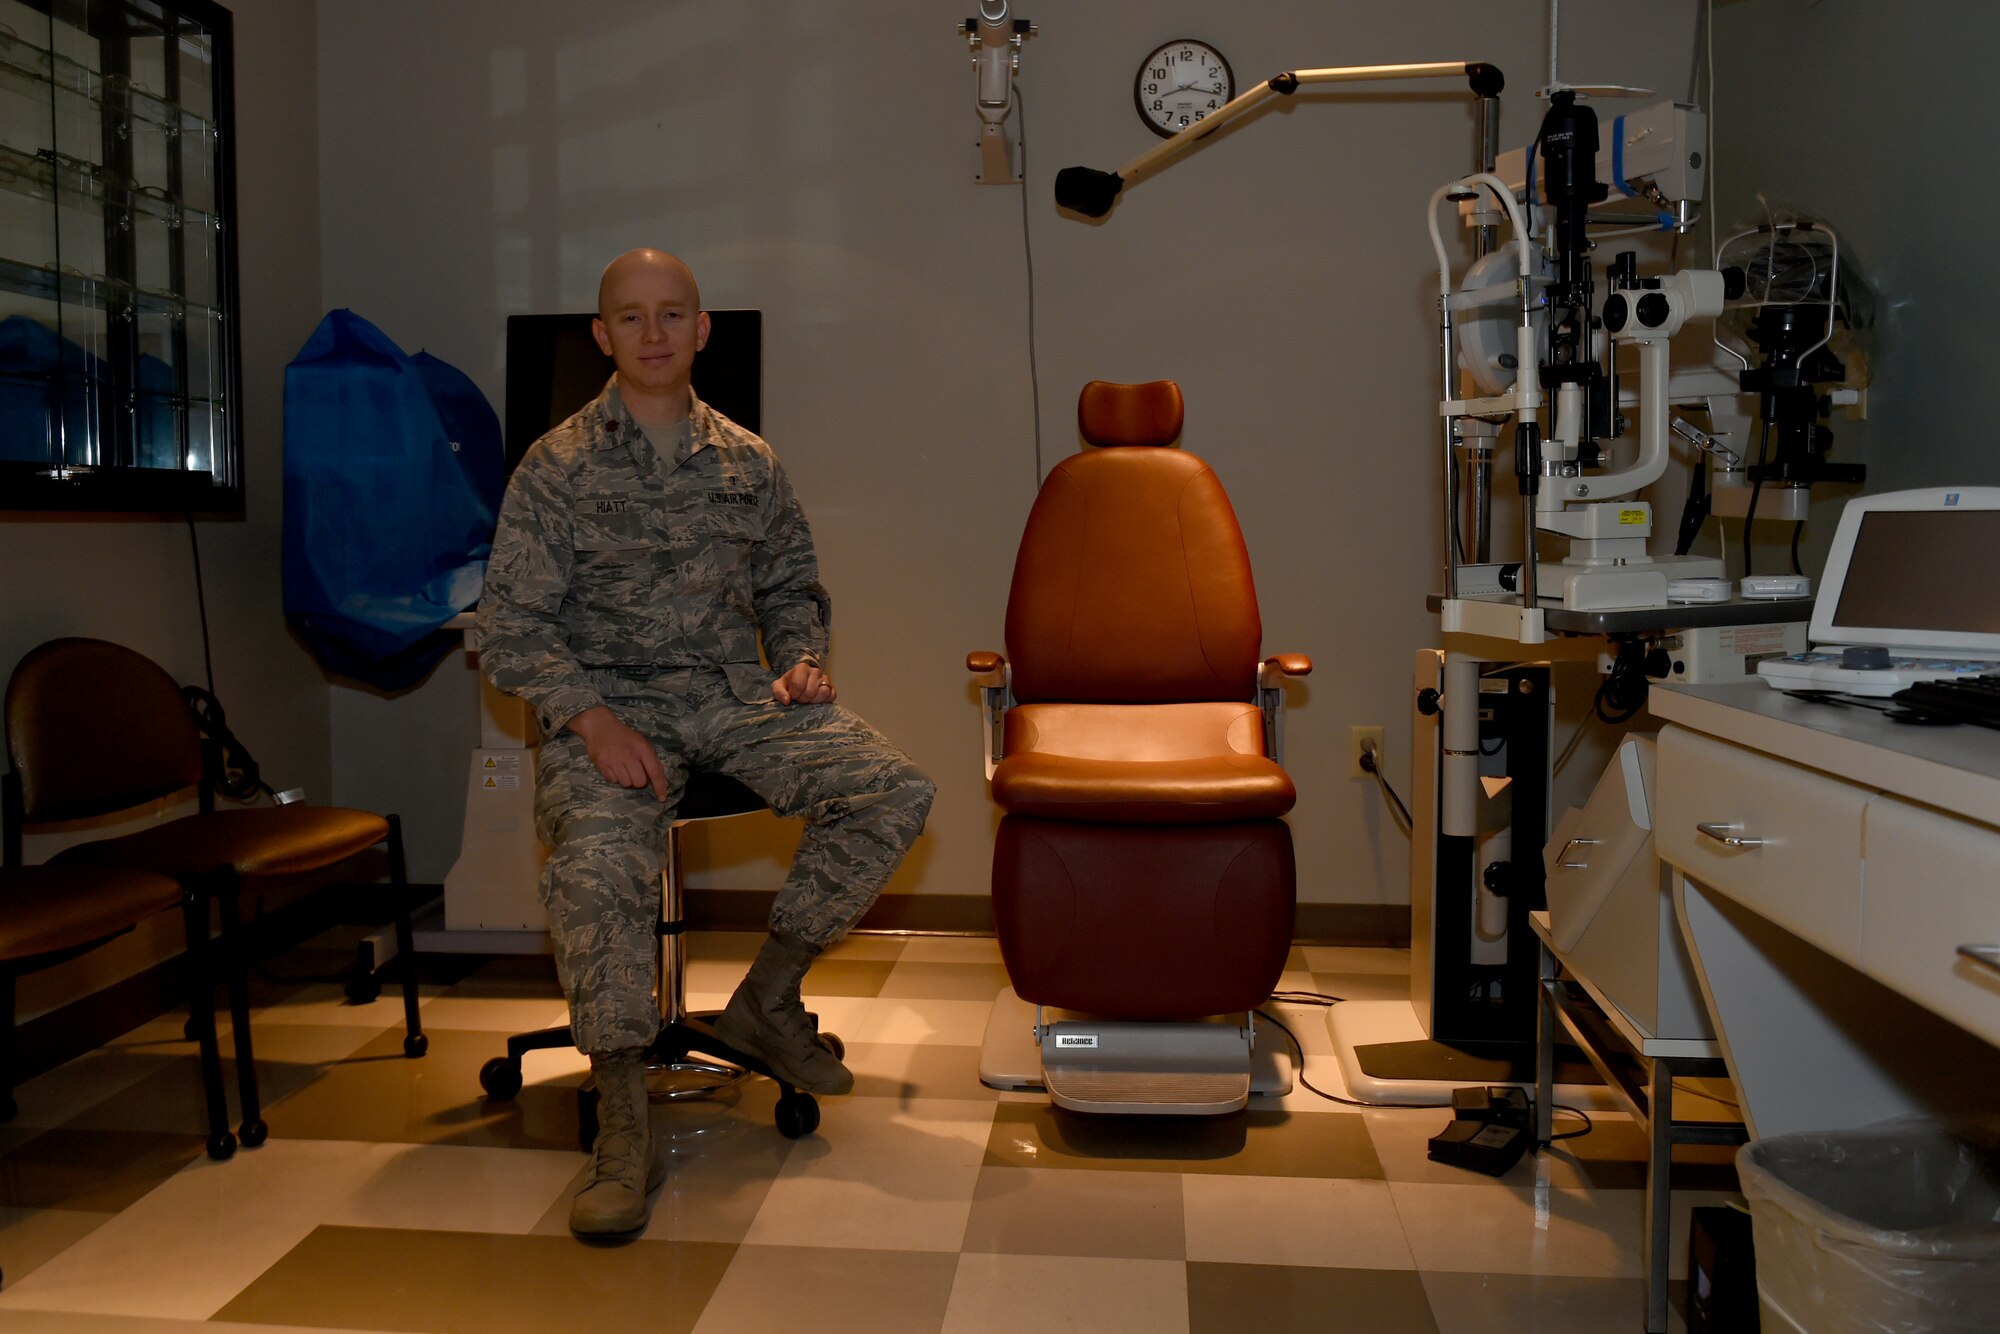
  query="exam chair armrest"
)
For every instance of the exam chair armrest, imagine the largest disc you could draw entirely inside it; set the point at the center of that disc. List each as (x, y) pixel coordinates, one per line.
(995, 680)
(1271, 673)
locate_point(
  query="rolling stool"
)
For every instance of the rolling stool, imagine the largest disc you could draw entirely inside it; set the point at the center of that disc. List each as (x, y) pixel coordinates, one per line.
(683, 1036)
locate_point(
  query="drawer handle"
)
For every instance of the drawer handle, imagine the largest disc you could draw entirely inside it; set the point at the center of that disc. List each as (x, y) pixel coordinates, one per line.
(1723, 834)
(1986, 954)
(1576, 843)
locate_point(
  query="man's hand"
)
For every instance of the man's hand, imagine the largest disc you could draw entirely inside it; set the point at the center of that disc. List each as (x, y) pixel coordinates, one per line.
(804, 684)
(622, 755)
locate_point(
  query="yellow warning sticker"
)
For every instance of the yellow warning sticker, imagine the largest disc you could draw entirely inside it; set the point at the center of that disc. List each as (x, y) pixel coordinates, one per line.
(1631, 516)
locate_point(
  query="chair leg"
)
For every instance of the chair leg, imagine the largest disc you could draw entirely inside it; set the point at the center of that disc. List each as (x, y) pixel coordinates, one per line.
(235, 962)
(415, 1044)
(201, 1020)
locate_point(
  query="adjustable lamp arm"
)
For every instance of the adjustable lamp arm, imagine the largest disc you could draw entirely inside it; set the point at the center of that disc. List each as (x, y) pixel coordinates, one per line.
(1092, 193)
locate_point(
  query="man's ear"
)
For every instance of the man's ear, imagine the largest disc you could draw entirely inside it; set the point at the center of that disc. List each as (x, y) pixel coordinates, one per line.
(603, 336)
(700, 332)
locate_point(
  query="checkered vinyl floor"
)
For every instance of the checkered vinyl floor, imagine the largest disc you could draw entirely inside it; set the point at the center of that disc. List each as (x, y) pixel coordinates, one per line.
(393, 1196)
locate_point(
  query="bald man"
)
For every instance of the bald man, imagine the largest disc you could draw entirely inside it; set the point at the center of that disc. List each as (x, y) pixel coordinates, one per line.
(648, 547)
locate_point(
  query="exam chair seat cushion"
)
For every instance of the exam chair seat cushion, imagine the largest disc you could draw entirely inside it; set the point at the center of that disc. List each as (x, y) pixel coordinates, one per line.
(261, 841)
(1144, 922)
(51, 909)
(1200, 763)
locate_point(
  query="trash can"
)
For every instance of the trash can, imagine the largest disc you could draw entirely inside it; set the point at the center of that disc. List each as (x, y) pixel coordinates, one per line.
(1892, 1228)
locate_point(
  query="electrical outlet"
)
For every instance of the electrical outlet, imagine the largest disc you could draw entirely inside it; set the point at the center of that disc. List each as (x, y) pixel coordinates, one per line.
(1358, 739)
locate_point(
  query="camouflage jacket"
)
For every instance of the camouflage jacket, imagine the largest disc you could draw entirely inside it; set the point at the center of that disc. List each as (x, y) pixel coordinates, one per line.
(611, 556)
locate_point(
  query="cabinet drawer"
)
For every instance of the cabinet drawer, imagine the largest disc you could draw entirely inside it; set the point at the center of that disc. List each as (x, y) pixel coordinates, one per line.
(1929, 883)
(1800, 860)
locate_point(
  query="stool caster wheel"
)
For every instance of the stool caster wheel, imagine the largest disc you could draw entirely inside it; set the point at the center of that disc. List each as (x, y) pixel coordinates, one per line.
(187, 1031)
(586, 1116)
(363, 988)
(252, 1133)
(832, 1042)
(500, 1077)
(416, 1044)
(797, 1115)
(222, 1146)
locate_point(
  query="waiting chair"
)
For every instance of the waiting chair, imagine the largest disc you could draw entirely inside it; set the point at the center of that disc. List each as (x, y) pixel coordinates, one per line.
(1143, 882)
(684, 1038)
(96, 729)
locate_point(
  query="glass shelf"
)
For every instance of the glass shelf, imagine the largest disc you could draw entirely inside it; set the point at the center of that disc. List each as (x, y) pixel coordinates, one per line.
(118, 356)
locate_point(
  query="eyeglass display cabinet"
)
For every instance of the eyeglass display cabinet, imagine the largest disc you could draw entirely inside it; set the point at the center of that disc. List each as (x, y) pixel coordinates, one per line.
(119, 363)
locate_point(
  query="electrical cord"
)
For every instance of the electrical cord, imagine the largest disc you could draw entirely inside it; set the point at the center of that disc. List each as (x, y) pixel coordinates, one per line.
(1309, 1087)
(1756, 489)
(1374, 770)
(1028, 250)
(227, 765)
(1580, 1115)
(1798, 531)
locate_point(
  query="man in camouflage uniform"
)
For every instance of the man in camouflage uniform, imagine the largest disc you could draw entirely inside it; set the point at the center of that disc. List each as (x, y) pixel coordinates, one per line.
(644, 548)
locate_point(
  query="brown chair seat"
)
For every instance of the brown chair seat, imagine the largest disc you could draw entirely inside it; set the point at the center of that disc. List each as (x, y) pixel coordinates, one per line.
(50, 909)
(1200, 763)
(259, 841)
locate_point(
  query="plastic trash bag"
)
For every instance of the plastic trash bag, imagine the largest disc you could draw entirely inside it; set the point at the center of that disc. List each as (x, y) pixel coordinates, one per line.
(1892, 1228)
(394, 469)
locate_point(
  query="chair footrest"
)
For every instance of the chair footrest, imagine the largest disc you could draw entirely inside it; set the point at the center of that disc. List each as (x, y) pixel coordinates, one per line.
(1200, 1068)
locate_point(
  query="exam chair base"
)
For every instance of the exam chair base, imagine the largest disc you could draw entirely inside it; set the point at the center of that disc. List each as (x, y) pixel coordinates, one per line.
(1011, 1059)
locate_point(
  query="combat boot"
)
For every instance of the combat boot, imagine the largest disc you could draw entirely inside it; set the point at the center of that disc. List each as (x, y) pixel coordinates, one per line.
(765, 1019)
(626, 1164)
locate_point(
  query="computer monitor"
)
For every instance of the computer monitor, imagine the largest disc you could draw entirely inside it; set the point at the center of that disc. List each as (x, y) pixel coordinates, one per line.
(1910, 570)
(554, 368)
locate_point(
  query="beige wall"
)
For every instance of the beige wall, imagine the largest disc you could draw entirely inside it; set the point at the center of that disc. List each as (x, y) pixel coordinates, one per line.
(131, 579)
(816, 160)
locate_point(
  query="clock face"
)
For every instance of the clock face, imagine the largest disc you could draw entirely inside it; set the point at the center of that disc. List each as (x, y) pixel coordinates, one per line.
(1182, 83)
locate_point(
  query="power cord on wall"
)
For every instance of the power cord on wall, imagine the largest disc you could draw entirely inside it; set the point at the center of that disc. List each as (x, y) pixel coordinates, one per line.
(1371, 766)
(227, 765)
(1028, 250)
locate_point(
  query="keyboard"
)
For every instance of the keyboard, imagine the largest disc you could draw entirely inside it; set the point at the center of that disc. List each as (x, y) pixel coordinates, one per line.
(1820, 670)
(1970, 699)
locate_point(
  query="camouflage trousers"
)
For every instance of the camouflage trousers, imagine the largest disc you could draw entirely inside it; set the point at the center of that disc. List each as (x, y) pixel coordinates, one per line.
(863, 802)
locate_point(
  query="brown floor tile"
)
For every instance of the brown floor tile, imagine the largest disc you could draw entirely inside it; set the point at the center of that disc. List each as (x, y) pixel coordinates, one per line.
(1251, 1143)
(31, 1237)
(378, 1095)
(852, 1292)
(847, 977)
(522, 977)
(1113, 1215)
(1281, 1299)
(947, 981)
(99, 1170)
(1544, 1304)
(476, 1283)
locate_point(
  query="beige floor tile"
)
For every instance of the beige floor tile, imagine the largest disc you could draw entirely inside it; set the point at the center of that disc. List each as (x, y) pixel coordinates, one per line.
(1308, 1025)
(494, 1014)
(860, 1137)
(326, 1003)
(1281, 1299)
(950, 949)
(30, 1238)
(1494, 1229)
(1326, 1222)
(1362, 986)
(1126, 1215)
(198, 1239)
(946, 981)
(1251, 1143)
(904, 1019)
(927, 1070)
(881, 949)
(918, 1209)
(852, 1292)
(742, 946)
(373, 1278)
(1004, 1294)
(1540, 1304)
(459, 1189)
(1352, 959)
